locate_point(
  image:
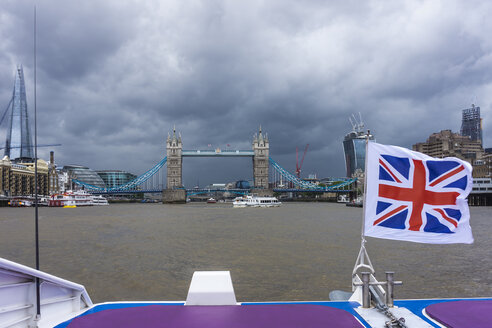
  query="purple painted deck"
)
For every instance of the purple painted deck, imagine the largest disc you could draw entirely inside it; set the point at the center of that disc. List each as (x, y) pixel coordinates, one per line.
(462, 314)
(245, 316)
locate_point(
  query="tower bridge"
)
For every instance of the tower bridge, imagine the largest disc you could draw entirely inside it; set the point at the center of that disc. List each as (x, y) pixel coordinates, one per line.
(175, 154)
(268, 175)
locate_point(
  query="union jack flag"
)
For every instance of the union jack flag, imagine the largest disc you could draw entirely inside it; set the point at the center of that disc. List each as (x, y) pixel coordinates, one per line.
(414, 197)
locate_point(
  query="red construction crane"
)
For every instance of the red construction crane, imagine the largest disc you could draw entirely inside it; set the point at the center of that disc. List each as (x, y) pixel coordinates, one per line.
(299, 165)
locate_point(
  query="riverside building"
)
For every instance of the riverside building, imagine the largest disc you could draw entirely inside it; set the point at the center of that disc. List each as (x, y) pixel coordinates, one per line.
(18, 179)
(83, 174)
(448, 144)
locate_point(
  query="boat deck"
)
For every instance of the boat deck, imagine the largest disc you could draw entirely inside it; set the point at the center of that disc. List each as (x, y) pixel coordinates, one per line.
(456, 313)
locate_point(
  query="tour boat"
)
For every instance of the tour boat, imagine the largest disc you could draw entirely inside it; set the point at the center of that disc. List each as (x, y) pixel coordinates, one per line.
(21, 202)
(71, 199)
(43, 201)
(33, 298)
(255, 201)
(211, 302)
(358, 202)
(27, 201)
(99, 200)
(342, 199)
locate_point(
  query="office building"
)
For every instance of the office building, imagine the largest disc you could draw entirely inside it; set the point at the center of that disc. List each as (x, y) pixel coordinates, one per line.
(83, 174)
(471, 124)
(354, 148)
(115, 178)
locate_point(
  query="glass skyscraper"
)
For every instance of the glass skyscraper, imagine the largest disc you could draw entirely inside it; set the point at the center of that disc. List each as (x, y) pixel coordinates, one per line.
(354, 147)
(19, 146)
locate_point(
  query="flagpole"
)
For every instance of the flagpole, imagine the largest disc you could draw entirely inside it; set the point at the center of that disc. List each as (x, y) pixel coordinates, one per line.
(363, 260)
(36, 193)
(363, 228)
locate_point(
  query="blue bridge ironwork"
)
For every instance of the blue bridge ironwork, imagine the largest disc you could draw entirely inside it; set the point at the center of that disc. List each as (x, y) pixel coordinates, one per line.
(294, 183)
(133, 184)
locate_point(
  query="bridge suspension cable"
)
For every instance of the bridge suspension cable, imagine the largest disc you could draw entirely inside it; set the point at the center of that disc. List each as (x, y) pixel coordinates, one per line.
(154, 173)
(131, 184)
(298, 182)
(302, 184)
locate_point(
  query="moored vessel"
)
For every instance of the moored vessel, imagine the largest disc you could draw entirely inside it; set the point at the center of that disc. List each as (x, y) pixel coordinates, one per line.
(255, 201)
(71, 199)
(98, 200)
(355, 203)
(21, 202)
(342, 199)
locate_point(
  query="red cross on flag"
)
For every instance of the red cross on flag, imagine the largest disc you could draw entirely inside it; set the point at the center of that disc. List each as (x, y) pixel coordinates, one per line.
(411, 196)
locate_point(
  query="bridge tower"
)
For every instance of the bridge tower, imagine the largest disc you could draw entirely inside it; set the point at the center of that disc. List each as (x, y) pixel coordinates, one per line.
(174, 148)
(261, 148)
(174, 192)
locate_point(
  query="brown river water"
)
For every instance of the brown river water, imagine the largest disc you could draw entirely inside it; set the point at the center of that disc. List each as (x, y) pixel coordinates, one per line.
(299, 251)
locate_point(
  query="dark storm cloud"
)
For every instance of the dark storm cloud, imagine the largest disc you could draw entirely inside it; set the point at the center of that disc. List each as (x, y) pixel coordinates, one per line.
(74, 38)
(114, 77)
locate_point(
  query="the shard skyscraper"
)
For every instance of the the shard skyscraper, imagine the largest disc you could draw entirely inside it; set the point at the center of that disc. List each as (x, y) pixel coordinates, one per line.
(19, 146)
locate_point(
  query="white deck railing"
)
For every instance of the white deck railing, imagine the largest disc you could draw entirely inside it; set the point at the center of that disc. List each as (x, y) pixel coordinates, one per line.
(60, 298)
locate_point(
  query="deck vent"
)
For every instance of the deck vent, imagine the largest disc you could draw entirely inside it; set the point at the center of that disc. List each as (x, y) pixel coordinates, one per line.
(211, 288)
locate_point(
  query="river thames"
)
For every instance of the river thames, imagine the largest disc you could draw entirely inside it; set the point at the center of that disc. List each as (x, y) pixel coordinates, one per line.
(299, 251)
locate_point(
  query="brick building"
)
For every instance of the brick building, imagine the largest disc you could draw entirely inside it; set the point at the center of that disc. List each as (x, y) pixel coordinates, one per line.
(449, 144)
(18, 179)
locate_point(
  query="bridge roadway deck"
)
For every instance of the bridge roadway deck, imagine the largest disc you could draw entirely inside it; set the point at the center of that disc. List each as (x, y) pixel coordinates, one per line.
(192, 191)
(217, 152)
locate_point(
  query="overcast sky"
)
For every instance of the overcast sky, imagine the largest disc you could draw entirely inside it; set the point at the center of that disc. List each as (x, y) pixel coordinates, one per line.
(114, 77)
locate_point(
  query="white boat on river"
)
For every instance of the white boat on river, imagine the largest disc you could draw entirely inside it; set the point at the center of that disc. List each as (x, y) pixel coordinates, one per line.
(74, 199)
(99, 200)
(256, 201)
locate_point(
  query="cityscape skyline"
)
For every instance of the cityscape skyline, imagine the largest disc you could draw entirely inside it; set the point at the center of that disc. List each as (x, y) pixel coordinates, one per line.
(110, 91)
(19, 132)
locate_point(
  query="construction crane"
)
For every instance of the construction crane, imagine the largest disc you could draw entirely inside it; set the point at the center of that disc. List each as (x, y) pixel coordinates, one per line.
(299, 165)
(357, 124)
